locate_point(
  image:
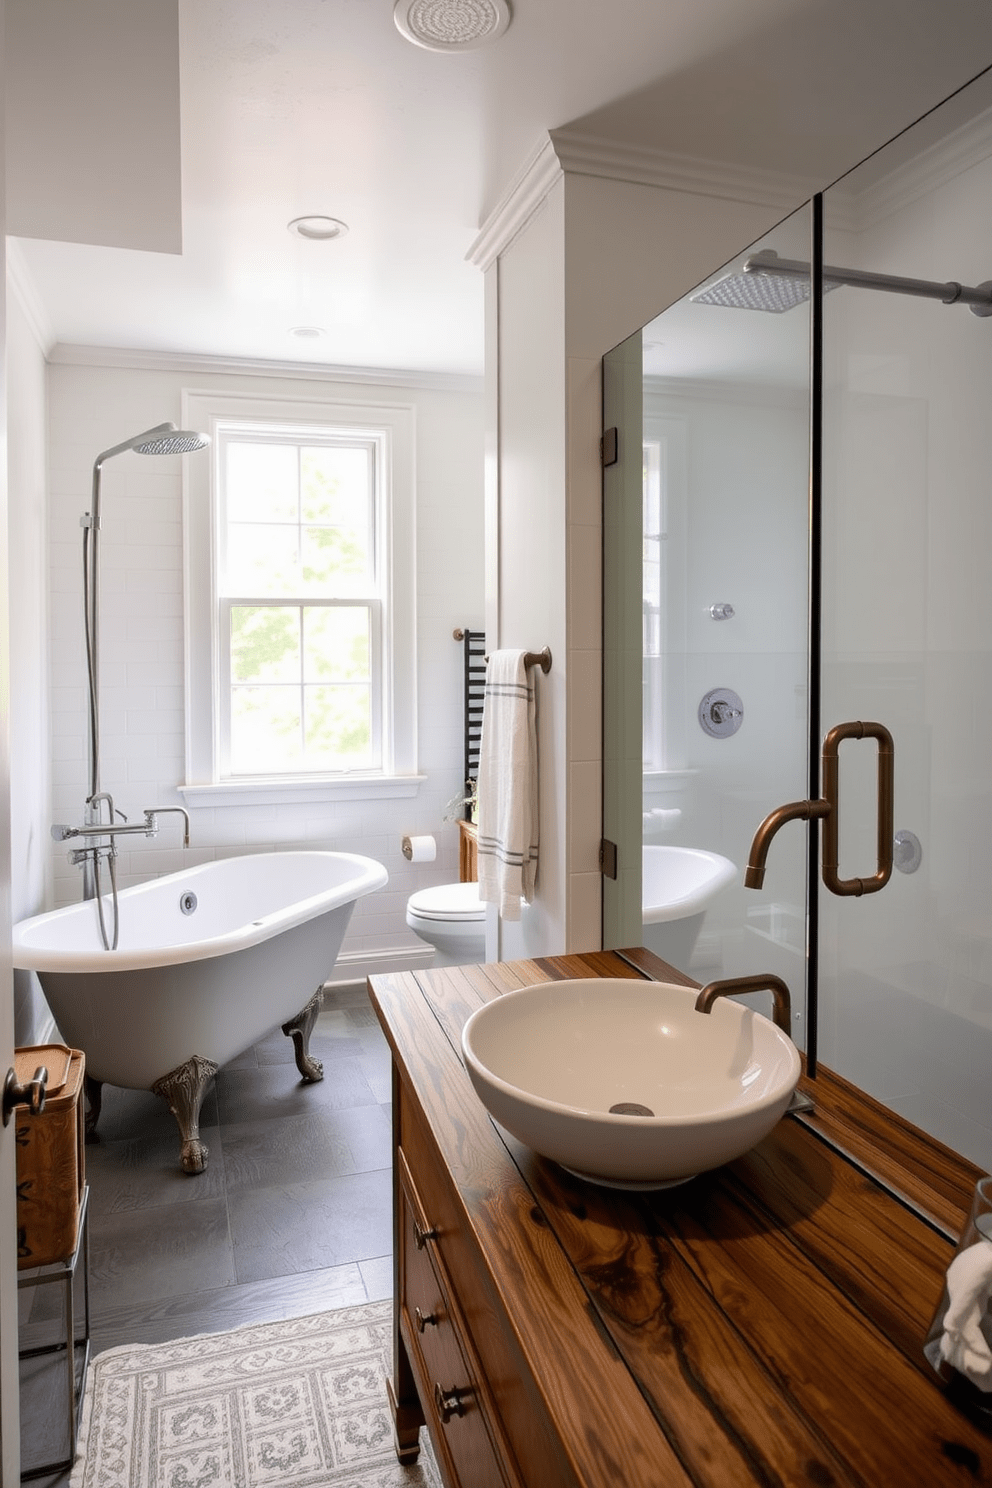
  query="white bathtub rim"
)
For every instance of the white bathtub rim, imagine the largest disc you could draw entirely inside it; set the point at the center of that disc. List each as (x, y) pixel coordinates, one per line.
(31, 955)
(699, 897)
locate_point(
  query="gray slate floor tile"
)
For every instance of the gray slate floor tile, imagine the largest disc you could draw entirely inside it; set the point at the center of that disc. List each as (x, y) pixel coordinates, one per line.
(293, 1214)
(296, 1227)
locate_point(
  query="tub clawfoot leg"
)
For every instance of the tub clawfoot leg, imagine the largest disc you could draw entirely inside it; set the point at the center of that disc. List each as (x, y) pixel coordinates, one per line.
(299, 1030)
(183, 1090)
(94, 1102)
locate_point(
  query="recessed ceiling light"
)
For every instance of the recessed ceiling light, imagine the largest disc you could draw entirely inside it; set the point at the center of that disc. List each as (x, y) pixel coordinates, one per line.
(320, 229)
(307, 333)
(451, 25)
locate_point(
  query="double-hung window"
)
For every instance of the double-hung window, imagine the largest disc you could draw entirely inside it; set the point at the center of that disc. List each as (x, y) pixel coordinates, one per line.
(300, 615)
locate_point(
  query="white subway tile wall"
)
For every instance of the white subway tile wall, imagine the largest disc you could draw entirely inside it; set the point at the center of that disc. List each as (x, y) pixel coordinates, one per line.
(142, 691)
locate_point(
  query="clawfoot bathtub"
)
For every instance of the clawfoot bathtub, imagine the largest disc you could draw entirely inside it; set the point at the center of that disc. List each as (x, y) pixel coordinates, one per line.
(209, 961)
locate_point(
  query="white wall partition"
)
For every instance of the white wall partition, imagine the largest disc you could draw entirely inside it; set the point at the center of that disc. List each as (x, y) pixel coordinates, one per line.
(577, 256)
(30, 764)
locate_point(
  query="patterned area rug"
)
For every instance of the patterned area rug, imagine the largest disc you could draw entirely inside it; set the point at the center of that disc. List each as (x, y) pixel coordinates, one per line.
(300, 1403)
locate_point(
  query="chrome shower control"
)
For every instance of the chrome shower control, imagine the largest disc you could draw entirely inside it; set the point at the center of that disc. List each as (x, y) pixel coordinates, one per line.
(720, 713)
(721, 612)
(907, 852)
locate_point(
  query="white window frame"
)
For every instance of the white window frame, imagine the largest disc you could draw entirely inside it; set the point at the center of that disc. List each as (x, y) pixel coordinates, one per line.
(393, 428)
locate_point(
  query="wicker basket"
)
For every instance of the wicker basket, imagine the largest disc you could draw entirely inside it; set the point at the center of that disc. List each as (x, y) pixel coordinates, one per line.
(50, 1163)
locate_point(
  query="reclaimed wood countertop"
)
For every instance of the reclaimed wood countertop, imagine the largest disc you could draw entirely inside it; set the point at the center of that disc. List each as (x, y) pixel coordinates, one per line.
(760, 1324)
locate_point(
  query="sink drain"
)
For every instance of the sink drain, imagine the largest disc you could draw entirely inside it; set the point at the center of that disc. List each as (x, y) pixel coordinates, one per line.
(630, 1108)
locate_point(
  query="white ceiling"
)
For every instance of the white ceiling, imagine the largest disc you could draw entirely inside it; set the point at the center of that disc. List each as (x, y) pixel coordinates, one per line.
(292, 107)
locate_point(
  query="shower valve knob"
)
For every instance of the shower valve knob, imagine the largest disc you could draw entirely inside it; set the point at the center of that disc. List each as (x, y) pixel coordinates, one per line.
(720, 713)
(722, 611)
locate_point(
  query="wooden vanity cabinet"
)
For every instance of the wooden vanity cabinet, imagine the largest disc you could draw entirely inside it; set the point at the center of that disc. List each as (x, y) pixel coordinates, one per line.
(762, 1324)
(449, 1376)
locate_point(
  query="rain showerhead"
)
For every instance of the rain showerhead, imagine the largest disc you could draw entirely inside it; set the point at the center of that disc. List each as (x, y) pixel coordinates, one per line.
(164, 439)
(768, 283)
(754, 292)
(777, 284)
(177, 442)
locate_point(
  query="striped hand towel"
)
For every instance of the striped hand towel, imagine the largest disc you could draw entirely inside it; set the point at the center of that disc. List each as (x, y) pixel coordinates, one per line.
(507, 794)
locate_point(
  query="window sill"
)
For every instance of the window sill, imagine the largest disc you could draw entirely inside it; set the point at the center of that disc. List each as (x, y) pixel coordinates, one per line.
(274, 792)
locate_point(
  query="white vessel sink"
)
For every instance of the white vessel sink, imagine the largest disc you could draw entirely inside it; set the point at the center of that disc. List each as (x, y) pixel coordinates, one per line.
(556, 1064)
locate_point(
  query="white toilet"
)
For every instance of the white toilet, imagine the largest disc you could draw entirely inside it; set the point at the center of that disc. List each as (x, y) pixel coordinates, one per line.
(452, 918)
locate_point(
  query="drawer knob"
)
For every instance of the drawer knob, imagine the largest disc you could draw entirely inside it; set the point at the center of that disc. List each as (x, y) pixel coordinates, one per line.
(422, 1236)
(448, 1403)
(424, 1320)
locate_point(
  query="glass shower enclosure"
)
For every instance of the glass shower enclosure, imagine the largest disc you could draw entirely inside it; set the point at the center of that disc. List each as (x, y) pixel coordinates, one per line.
(798, 535)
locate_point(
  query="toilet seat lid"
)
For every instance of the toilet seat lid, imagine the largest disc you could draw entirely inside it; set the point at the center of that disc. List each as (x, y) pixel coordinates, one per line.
(453, 902)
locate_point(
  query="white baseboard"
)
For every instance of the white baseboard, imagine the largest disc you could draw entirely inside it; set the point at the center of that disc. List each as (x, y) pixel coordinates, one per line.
(352, 967)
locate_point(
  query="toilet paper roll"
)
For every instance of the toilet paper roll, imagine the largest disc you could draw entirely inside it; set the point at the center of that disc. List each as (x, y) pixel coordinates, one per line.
(419, 849)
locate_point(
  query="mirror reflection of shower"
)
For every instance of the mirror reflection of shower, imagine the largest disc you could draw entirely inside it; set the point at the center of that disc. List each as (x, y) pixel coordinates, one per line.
(98, 834)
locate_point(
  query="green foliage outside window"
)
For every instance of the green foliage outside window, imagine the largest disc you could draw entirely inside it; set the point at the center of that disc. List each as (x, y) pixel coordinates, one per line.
(299, 530)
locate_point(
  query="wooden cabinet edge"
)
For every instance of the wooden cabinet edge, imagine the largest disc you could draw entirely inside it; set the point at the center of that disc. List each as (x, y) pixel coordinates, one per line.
(472, 1382)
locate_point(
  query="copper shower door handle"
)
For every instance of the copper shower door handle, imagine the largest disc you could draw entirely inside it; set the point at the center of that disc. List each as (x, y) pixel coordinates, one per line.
(886, 808)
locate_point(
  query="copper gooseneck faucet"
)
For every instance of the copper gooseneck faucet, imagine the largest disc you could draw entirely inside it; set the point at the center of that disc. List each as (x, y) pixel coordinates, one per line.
(761, 982)
(827, 807)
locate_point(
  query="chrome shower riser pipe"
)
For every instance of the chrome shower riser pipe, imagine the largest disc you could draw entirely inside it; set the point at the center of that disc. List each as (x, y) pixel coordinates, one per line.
(163, 439)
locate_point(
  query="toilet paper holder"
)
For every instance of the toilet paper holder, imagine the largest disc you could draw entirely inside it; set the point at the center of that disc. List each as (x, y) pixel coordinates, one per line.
(419, 849)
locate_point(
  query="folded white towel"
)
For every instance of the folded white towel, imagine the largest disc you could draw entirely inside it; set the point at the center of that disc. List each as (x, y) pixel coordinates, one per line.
(963, 1343)
(507, 790)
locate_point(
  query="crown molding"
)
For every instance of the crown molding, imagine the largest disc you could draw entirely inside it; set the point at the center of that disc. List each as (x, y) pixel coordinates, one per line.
(588, 155)
(525, 195)
(966, 147)
(193, 364)
(26, 294)
(570, 152)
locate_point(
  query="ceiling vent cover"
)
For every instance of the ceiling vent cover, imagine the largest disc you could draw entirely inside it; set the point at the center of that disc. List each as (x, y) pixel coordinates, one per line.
(452, 25)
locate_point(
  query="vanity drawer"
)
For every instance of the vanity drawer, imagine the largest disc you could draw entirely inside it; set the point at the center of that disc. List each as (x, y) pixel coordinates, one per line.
(451, 1389)
(528, 1445)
